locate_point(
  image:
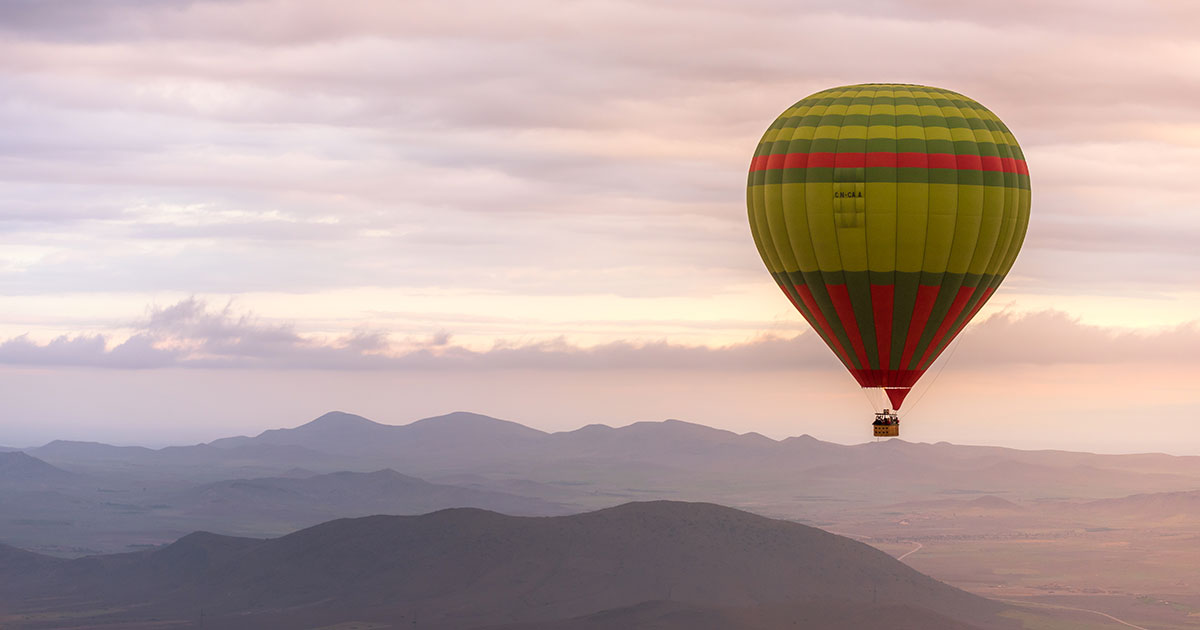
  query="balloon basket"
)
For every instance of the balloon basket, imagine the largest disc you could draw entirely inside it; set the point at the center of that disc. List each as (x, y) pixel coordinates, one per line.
(892, 431)
(887, 424)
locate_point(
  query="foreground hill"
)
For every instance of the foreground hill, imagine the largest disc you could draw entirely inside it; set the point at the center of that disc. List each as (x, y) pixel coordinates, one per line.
(660, 564)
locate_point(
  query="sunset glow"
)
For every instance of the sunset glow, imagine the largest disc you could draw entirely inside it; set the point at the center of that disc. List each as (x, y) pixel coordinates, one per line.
(221, 217)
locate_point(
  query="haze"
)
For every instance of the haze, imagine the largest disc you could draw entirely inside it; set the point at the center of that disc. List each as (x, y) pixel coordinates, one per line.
(219, 217)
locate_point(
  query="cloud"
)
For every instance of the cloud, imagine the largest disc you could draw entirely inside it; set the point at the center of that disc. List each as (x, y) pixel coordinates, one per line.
(137, 352)
(191, 334)
(536, 146)
(1054, 337)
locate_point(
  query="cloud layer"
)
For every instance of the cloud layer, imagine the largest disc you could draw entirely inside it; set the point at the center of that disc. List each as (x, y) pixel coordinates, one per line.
(193, 334)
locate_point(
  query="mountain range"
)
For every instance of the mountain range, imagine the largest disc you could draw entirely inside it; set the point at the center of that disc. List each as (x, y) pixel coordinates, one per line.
(669, 459)
(75, 498)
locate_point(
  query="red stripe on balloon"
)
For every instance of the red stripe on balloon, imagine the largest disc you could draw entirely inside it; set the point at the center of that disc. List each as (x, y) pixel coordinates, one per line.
(806, 296)
(883, 299)
(926, 296)
(887, 378)
(896, 395)
(840, 296)
(895, 383)
(956, 307)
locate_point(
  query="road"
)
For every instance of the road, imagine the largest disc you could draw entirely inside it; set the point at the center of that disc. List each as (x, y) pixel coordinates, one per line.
(911, 552)
(1059, 606)
(1028, 603)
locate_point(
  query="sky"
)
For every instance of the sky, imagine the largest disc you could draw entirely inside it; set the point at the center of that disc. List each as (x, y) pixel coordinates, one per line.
(219, 217)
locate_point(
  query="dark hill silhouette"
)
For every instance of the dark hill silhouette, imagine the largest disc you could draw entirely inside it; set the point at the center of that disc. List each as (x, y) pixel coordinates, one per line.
(17, 563)
(71, 449)
(468, 568)
(20, 468)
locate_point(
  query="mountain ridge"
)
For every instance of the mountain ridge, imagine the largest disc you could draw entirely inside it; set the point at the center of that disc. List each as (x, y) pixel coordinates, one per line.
(468, 568)
(340, 421)
(643, 459)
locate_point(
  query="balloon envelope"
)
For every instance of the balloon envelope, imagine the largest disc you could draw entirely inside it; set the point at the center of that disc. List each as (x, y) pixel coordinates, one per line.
(888, 214)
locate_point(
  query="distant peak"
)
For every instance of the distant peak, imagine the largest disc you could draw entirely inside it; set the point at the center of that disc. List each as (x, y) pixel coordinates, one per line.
(197, 537)
(205, 542)
(664, 509)
(592, 428)
(461, 416)
(667, 505)
(467, 419)
(389, 473)
(993, 501)
(18, 464)
(340, 418)
(72, 443)
(675, 424)
(673, 427)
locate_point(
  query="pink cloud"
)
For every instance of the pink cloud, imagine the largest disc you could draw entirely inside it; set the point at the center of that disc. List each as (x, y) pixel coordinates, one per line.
(192, 334)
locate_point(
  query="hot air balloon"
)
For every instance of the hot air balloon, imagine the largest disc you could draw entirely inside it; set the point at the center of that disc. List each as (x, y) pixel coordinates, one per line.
(888, 214)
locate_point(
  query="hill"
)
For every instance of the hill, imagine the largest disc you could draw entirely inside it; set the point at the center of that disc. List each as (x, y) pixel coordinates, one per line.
(1179, 507)
(311, 500)
(19, 468)
(469, 568)
(460, 433)
(200, 462)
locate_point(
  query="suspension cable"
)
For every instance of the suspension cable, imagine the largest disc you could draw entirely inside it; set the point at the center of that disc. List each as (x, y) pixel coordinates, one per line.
(946, 362)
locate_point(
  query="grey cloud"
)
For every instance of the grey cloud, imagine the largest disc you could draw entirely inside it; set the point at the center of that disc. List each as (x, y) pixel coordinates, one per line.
(190, 334)
(1054, 337)
(221, 330)
(137, 352)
